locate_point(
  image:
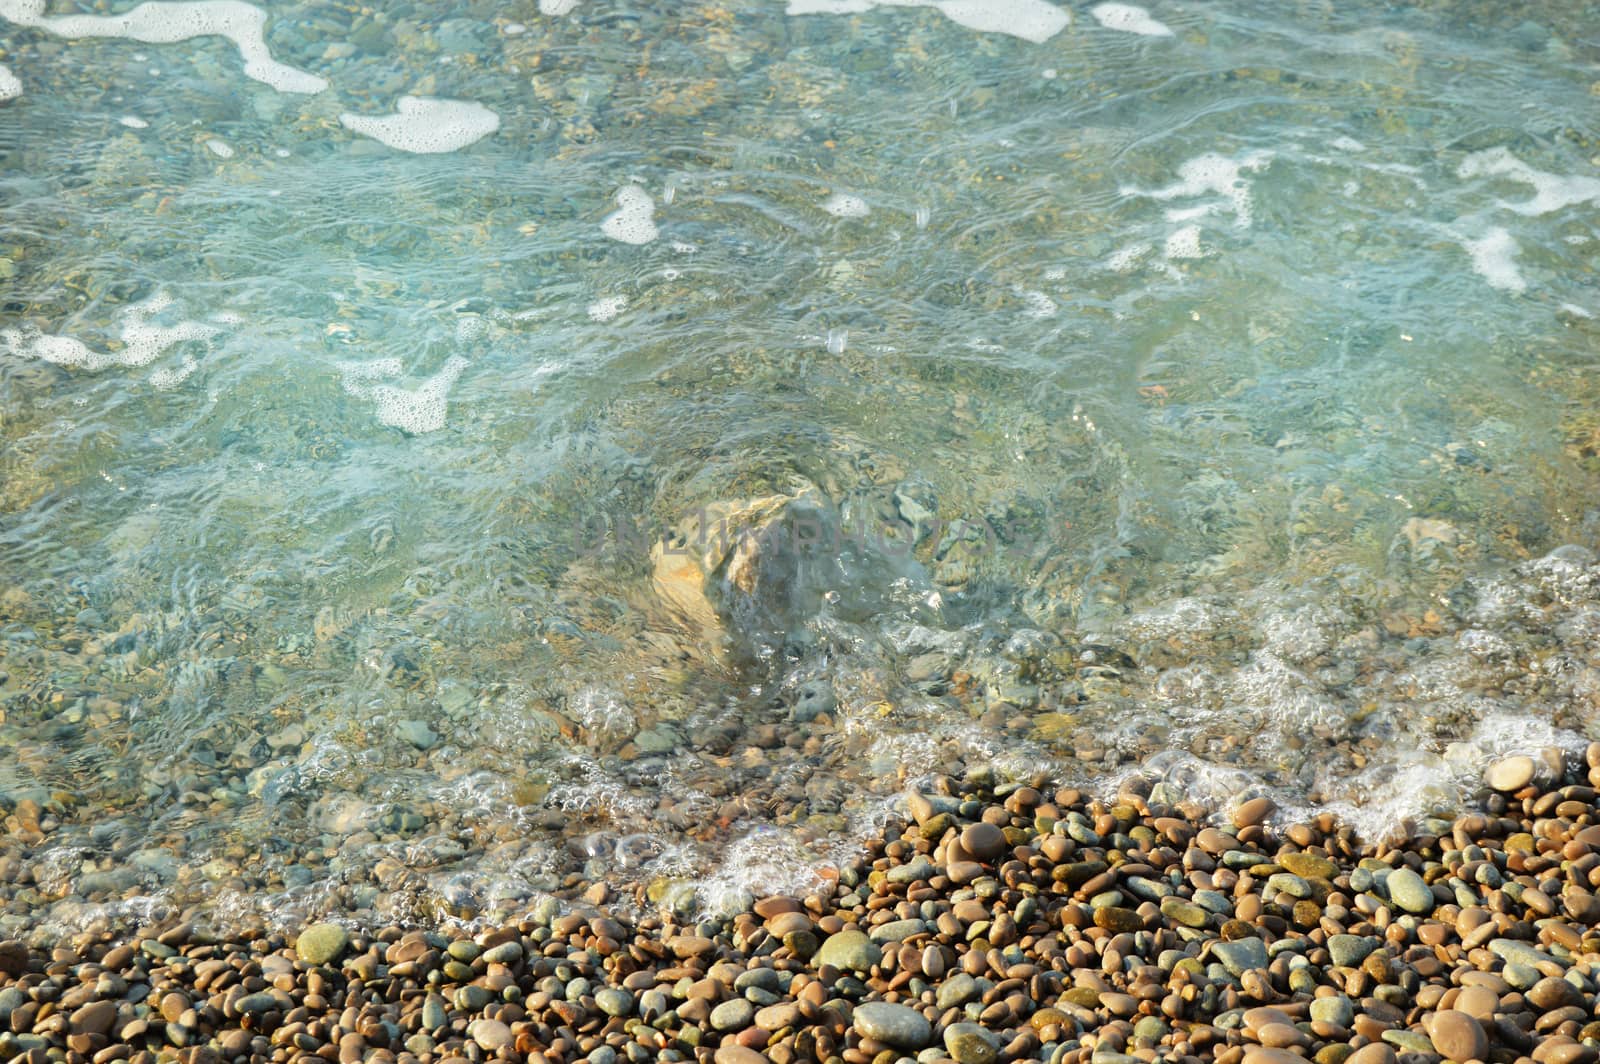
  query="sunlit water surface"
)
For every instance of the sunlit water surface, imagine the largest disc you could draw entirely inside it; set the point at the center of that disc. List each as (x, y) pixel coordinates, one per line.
(1205, 390)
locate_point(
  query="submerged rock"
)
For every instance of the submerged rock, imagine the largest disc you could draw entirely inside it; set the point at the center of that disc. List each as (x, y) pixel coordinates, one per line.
(734, 567)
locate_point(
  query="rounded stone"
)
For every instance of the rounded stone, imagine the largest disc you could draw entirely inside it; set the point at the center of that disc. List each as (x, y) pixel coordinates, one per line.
(1270, 1055)
(1253, 812)
(983, 841)
(802, 944)
(1182, 912)
(849, 951)
(968, 1043)
(1550, 993)
(94, 1018)
(898, 1025)
(1347, 951)
(614, 1002)
(505, 953)
(1376, 1053)
(957, 990)
(321, 943)
(1479, 1002)
(739, 1055)
(1409, 892)
(1117, 920)
(491, 1035)
(1335, 1009)
(734, 1015)
(787, 923)
(1510, 774)
(1282, 1036)
(255, 1004)
(1308, 866)
(472, 998)
(1458, 1036)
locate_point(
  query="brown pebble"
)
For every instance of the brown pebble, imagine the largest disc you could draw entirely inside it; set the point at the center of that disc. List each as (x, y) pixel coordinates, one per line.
(983, 841)
(1270, 1055)
(767, 908)
(686, 946)
(1376, 1053)
(1479, 1002)
(739, 1055)
(94, 1018)
(1458, 1036)
(1282, 1036)
(1253, 812)
(1551, 993)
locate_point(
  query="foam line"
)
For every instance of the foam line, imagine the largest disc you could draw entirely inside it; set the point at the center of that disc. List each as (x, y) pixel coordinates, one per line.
(1129, 18)
(10, 85)
(1551, 192)
(1494, 258)
(1214, 175)
(1031, 20)
(142, 341)
(426, 125)
(414, 410)
(607, 307)
(171, 21)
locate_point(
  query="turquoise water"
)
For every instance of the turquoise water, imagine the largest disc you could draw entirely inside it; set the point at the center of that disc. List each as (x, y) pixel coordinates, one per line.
(680, 428)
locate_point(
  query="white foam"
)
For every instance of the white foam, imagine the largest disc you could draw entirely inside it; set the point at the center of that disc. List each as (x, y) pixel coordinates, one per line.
(414, 410)
(1494, 258)
(1124, 259)
(607, 307)
(633, 222)
(142, 341)
(1347, 144)
(1551, 192)
(10, 85)
(842, 205)
(830, 7)
(134, 123)
(1214, 175)
(359, 378)
(1039, 304)
(1184, 244)
(426, 124)
(219, 148)
(169, 377)
(1031, 20)
(557, 7)
(1129, 18)
(162, 22)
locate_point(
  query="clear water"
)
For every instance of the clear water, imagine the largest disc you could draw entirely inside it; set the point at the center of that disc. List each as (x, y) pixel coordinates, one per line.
(1217, 404)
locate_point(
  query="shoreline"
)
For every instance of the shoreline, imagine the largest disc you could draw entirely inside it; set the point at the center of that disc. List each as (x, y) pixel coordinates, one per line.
(995, 924)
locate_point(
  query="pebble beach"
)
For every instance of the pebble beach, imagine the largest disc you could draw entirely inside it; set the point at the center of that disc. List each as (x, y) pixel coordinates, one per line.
(992, 923)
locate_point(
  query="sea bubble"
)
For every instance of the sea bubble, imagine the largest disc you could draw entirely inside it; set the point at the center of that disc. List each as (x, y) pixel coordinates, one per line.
(843, 205)
(415, 410)
(633, 222)
(156, 22)
(426, 125)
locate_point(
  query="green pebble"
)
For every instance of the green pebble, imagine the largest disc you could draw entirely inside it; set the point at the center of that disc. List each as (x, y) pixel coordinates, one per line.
(321, 943)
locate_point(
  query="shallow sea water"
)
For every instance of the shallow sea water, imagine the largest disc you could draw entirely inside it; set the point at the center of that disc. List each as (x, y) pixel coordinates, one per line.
(449, 458)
